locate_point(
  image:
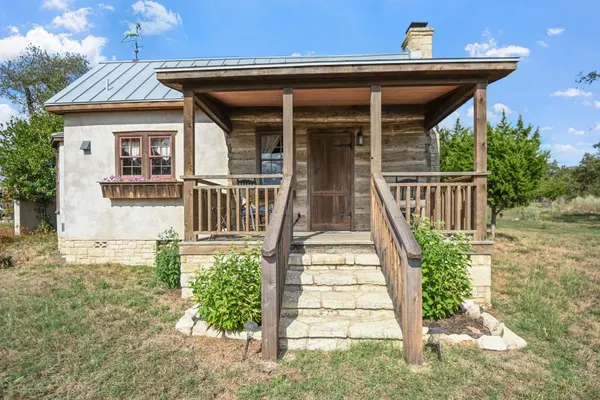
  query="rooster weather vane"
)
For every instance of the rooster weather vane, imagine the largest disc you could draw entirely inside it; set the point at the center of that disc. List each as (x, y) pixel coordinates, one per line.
(132, 36)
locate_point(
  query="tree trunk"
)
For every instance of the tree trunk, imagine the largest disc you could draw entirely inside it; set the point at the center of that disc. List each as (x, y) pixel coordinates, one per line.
(495, 213)
(29, 100)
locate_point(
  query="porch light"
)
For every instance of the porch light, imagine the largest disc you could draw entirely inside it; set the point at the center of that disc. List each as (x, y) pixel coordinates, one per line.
(360, 139)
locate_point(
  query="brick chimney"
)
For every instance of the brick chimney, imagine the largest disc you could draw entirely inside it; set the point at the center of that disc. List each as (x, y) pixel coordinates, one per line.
(418, 39)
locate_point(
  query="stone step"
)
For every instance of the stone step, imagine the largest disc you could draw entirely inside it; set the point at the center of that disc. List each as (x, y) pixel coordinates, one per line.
(335, 332)
(336, 300)
(336, 277)
(332, 261)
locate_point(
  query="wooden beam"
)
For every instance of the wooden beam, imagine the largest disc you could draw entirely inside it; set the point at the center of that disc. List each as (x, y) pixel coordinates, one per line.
(116, 106)
(437, 110)
(480, 159)
(189, 157)
(375, 129)
(288, 131)
(216, 112)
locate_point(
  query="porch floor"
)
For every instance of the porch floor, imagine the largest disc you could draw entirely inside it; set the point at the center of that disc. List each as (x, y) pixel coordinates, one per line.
(301, 238)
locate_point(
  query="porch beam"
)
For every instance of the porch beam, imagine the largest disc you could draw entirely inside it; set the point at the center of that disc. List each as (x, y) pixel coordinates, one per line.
(375, 129)
(288, 131)
(217, 113)
(189, 150)
(437, 110)
(480, 159)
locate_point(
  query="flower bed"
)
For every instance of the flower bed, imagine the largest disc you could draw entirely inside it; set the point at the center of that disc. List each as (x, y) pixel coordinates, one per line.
(138, 188)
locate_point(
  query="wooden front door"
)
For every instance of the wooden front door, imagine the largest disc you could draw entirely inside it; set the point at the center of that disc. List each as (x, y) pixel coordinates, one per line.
(330, 181)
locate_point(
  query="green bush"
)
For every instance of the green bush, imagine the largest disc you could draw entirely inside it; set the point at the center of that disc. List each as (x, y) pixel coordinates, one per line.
(229, 293)
(529, 213)
(167, 259)
(446, 281)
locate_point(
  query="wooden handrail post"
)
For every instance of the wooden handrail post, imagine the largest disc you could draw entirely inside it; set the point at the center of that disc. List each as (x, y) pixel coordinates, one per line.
(375, 132)
(270, 309)
(288, 132)
(412, 311)
(480, 159)
(189, 207)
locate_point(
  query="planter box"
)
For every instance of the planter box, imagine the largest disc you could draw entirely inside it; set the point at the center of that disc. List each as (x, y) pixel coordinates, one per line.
(142, 190)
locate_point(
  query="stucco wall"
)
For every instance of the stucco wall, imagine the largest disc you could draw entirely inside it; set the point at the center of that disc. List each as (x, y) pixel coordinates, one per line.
(89, 216)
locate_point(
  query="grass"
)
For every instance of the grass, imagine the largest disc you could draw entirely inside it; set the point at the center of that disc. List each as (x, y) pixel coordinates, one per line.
(107, 332)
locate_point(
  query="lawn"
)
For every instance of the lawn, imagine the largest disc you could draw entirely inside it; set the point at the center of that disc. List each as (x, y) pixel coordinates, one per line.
(107, 332)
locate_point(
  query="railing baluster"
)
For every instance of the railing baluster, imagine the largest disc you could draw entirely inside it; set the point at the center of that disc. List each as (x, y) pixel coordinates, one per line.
(468, 208)
(219, 210)
(228, 210)
(447, 207)
(209, 226)
(256, 210)
(200, 209)
(248, 210)
(237, 209)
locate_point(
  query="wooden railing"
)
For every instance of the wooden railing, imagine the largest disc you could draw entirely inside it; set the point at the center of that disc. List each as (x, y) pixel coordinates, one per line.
(233, 204)
(274, 264)
(400, 257)
(449, 204)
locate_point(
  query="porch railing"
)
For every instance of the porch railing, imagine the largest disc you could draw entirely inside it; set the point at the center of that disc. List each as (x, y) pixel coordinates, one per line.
(449, 204)
(400, 257)
(274, 264)
(233, 204)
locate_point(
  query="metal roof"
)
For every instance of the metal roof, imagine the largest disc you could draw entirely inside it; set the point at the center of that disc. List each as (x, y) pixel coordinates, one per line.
(135, 81)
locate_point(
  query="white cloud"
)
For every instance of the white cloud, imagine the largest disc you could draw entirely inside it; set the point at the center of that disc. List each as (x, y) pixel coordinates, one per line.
(546, 128)
(75, 21)
(597, 127)
(450, 120)
(295, 55)
(567, 153)
(575, 131)
(499, 107)
(571, 92)
(106, 7)
(555, 31)
(543, 44)
(6, 113)
(57, 4)
(12, 29)
(91, 46)
(155, 17)
(597, 104)
(489, 48)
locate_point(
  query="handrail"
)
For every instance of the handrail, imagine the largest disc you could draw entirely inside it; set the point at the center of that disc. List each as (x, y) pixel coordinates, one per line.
(399, 225)
(400, 256)
(433, 174)
(275, 253)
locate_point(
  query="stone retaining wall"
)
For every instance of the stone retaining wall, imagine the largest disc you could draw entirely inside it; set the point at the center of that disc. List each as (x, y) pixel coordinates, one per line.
(126, 252)
(481, 278)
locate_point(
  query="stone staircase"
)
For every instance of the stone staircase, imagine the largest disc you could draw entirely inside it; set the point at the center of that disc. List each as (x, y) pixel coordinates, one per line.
(335, 294)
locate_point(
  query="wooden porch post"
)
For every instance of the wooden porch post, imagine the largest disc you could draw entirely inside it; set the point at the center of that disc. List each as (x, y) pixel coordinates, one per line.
(480, 159)
(189, 149)
(288, 132)
(375, 138)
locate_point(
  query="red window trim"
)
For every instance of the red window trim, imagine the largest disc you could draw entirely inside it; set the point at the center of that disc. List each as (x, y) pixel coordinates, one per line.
(150, 156)
(121, 156)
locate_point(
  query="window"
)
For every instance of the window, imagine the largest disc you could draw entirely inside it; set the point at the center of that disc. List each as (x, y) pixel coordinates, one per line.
(271, 156)
(145, 155)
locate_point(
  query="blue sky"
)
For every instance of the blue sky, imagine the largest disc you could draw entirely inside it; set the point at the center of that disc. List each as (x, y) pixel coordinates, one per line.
(555, 39)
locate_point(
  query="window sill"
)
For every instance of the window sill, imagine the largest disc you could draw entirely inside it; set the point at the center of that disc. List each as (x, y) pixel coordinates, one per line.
(142, 190)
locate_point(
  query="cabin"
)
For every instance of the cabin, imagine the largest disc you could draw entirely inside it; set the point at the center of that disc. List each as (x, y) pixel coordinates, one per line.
(322, 160)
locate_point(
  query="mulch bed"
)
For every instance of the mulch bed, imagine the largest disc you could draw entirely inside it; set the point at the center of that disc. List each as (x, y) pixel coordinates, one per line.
(459, 324)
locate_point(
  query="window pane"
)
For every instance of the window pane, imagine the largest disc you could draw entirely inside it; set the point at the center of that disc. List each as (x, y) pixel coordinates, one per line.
(130, 147)
(160, 146)
(161, 166)
(131, 166)
(271, 147)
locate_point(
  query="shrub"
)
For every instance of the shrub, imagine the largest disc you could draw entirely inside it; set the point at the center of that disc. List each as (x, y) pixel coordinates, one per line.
(167, 259)
(229, 293)
(529, 213)
(446, 281)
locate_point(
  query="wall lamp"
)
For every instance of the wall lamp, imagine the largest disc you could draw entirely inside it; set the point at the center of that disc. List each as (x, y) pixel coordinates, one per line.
(360, 138)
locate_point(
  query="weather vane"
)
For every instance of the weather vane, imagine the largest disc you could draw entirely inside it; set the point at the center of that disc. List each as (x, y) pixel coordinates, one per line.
(133, 35)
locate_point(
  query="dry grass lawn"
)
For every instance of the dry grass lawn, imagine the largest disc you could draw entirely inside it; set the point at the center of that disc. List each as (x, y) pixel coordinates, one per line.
(107, 332)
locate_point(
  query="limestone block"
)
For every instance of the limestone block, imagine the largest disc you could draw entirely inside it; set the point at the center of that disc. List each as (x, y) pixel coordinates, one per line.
(299, 259)
(185, 324)
(385, 329)
(243, 335)
(328, 259)
(293, 328)
(329, 328)
(298, 278)
(367, 259)
(374, 301)
(481, 275)
(294, 299)
(490, 322)
(370, 277)
(334, 277)
(201, 328)
(293, 344)
(186, 293)
(456, 339)
(327, 344)
(512, 340)
(495, 343)
(338, 300)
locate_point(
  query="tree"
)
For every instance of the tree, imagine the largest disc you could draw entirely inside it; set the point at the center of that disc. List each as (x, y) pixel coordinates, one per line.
(588, 78)
(34, 76)
(587, 174)
(556, 183)
(27, 160)
(515, 160)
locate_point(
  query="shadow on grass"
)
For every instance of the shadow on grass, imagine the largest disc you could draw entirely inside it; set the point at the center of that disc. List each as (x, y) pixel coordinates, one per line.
(506, 236)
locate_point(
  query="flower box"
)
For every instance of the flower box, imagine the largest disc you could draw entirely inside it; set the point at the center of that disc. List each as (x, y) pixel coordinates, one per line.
(142, 190)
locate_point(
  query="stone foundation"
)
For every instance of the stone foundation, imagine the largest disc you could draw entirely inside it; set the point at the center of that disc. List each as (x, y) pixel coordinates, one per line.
(190, 264)
(481, 278)
(126, 252)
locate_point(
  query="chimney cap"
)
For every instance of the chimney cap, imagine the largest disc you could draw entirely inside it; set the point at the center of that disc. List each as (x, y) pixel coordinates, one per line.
(416, 25)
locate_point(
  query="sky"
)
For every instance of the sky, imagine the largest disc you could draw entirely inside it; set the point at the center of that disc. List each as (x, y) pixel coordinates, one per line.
(555, 39)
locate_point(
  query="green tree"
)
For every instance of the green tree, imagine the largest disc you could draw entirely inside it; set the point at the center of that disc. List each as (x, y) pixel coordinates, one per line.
(515, 160)
(27, 160)
(34, 76)
(556, 183)
(587, 174)
(588, 78)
